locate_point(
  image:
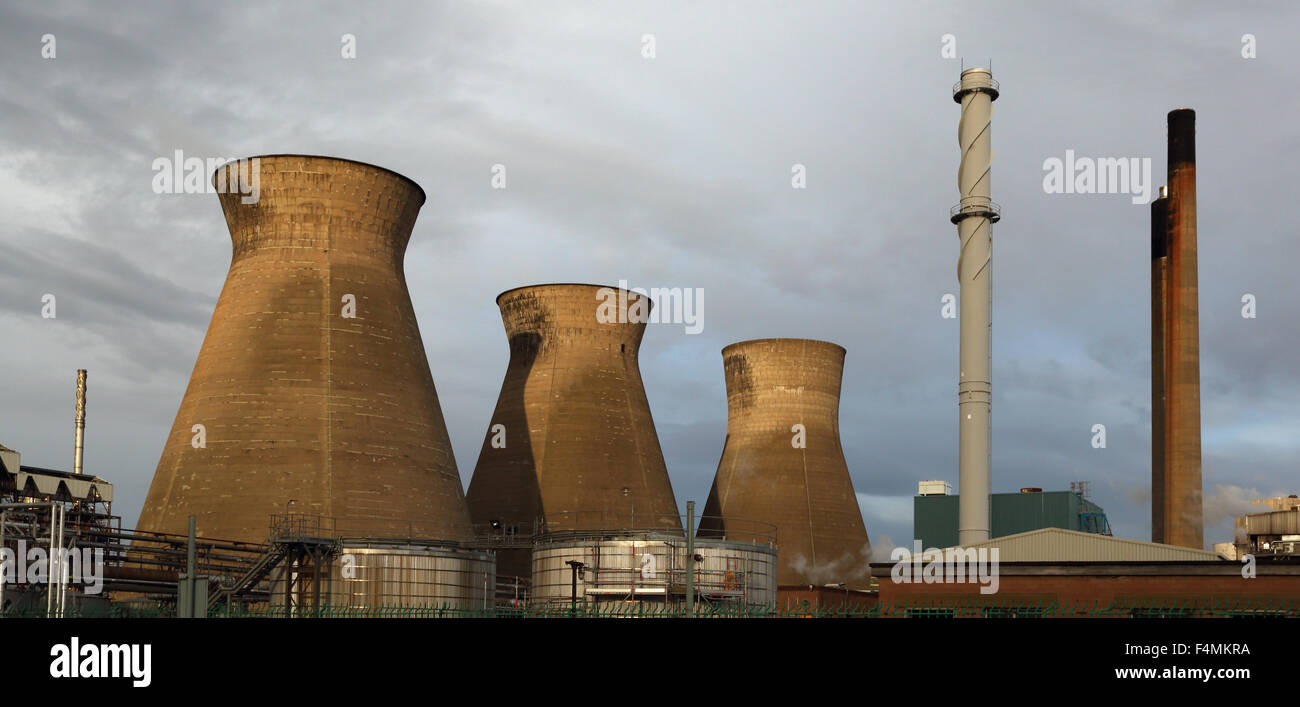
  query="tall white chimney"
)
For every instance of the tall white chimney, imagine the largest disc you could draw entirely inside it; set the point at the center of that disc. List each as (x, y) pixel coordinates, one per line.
(974, 216)
(81, 420)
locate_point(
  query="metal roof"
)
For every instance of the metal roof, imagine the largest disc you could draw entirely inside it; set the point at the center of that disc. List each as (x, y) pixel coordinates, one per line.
(1271, 523)
(50, 481)
(1061, 545)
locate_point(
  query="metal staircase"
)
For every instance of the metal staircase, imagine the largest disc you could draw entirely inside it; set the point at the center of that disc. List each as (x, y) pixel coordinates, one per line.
(275, 553)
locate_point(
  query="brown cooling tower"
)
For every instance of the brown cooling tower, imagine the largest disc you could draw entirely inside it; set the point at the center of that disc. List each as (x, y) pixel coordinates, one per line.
(571, 442)
(312, 386)
(774, 471)
(1181, 372)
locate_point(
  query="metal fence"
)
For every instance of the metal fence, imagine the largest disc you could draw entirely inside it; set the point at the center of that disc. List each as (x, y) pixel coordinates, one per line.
(945, 610)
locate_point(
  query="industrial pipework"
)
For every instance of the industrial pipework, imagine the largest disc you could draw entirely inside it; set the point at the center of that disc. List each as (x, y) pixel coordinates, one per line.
(974, 216)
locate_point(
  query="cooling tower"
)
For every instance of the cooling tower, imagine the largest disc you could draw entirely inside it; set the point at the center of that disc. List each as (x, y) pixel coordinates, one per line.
(571, 442)
(782, 462)
(312, 393)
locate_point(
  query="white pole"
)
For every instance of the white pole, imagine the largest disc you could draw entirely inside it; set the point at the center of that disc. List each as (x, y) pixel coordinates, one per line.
(63, 566)
(4, 520)
(49, 566)
(81, 421)
(974, 217)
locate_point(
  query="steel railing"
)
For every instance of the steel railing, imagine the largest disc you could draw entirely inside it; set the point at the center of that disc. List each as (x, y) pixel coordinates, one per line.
(963, 609)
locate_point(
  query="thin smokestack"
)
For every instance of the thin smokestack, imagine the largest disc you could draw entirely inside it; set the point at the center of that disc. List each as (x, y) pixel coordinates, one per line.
(1159, 288)
(1182, 371)
(974, 216)
(81, 421)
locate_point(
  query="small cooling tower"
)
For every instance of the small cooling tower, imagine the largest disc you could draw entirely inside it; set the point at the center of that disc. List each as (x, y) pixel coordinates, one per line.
(782, 462)
(312, 393)
(571, 445)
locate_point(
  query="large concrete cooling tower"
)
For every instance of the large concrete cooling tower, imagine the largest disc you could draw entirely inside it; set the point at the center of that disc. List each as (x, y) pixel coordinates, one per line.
(571, 441)
(312, 388)
(782, 462)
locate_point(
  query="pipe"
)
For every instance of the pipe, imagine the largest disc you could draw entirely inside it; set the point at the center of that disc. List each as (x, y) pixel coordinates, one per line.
(1183, 502)
(690, 558)
(63, 565)
(4, 521)
(189, 548)
(974, 216)
(81, 420)
(49, 571)
(1159, 314)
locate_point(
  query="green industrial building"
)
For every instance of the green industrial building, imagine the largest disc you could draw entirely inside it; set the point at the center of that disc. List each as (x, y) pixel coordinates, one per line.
(934, 519)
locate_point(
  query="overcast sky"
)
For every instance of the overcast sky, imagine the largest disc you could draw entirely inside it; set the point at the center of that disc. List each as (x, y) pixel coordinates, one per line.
(675, 171)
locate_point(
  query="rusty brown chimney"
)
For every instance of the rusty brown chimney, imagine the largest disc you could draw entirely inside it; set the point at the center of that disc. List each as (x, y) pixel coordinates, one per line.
(1159, 288)
(1180, 375)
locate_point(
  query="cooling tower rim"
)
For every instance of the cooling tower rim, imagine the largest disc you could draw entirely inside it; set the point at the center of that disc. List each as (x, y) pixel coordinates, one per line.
(570, 284)
(819, 342)
(399, 175)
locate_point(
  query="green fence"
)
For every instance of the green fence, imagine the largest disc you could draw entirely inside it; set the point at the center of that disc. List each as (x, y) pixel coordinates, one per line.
(916, 610)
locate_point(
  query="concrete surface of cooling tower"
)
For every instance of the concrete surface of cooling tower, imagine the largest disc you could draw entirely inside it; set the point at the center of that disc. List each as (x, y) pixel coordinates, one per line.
(312, 393)
(571, 441)
(782, 462)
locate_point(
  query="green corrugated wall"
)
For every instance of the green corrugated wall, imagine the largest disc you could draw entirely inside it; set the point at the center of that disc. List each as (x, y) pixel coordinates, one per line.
(934, 519)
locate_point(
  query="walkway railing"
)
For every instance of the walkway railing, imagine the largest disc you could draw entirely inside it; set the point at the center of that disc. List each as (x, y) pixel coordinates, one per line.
(951, 610)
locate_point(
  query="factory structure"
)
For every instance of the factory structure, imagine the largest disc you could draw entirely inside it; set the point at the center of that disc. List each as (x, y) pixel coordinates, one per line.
(309, 467)
(935, 513)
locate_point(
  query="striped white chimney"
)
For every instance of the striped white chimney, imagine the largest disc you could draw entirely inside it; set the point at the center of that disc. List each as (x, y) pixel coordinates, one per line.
(81, 420)
(974, 215)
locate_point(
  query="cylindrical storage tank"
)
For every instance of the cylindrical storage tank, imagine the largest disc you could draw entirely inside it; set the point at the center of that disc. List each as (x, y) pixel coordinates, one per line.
(624, 570)
(384, 575)
(736, 572)
(782, 462)
(571, 444)
(312, 393)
